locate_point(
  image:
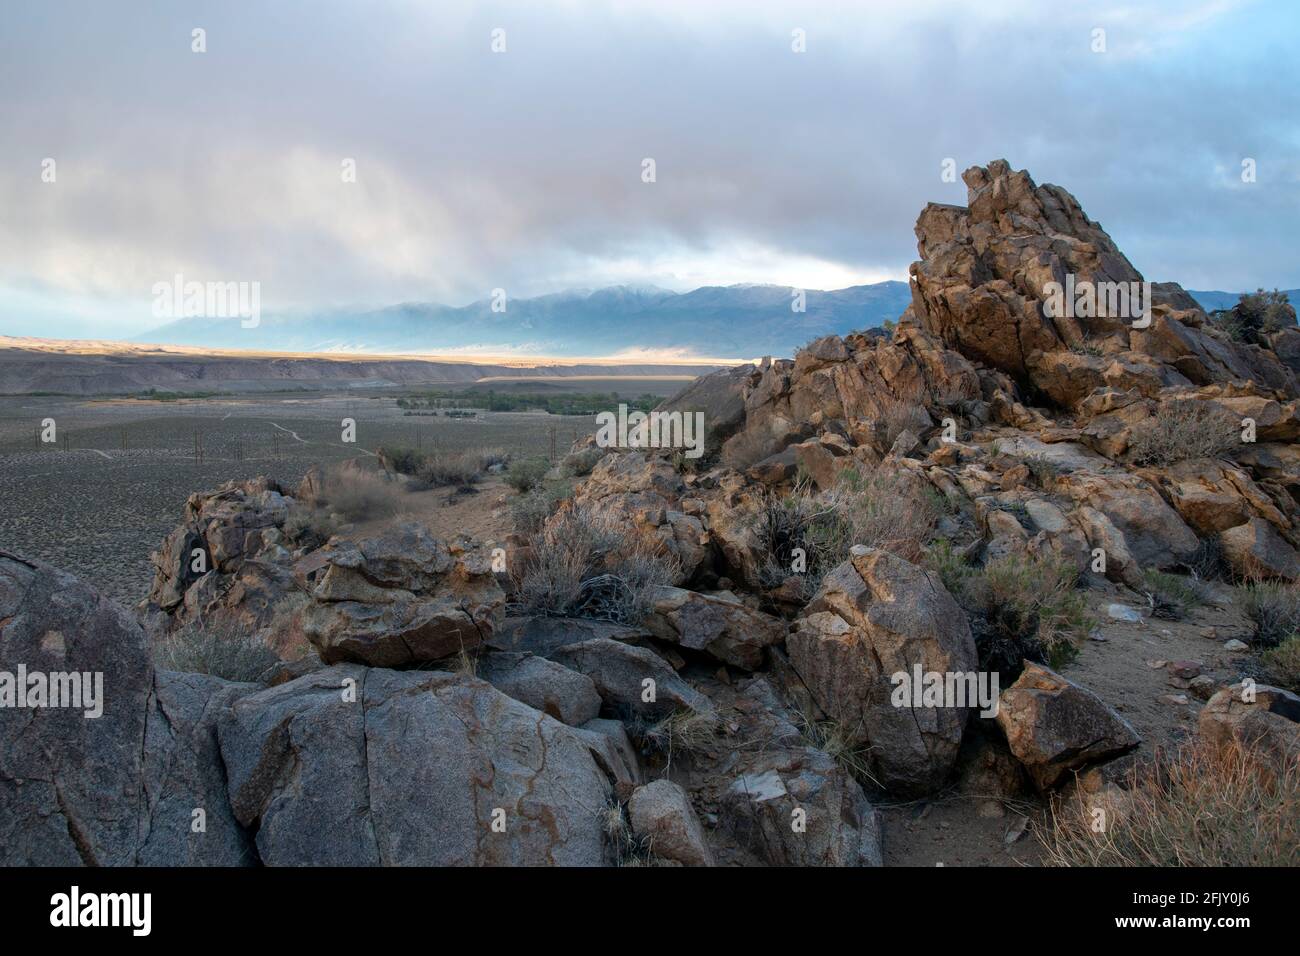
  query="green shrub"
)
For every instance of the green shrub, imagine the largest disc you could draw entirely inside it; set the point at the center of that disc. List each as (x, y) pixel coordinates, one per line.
(402, 459)
(1171, 596)
(1282, 664)
(524, 474)
(529, 511)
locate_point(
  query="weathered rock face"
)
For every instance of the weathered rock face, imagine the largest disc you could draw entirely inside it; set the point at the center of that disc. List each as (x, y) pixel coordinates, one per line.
(566, 695)
(356, 766)
(401, 598)
(1054, 726)
(874, 617)
(719, 624)
(1269, 723)
(1255, 550)
(120, 788)
(982, 287)
(631, 680)
(661, 814)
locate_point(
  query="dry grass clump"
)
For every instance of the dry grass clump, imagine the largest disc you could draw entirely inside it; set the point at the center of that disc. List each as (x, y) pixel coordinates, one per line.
(1200, 806)
(356, 495)
(583, 564)
(221, 650)
(1275, 610)
(880, 509)
(893, 418)
(1180, 431)
(427, 470)
(682, 732)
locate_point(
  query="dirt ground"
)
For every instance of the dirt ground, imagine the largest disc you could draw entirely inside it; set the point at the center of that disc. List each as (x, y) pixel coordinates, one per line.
(1125, 665)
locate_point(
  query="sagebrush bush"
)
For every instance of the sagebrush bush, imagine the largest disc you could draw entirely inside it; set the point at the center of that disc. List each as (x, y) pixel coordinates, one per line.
(1282, 664)
(458, 470)
(583, 564)
(402, 459)
(1022, 607)
(529, 511)
(1171, 596)
(1180, 431)
(221, 650)
(525, 473)
(1275, 610)
(1199, 806)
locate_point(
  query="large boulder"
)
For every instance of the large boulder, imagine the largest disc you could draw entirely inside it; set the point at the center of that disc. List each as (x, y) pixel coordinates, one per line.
(357, 766)
(1255, 550)
(874, 617)
(662, 816)
(566, 695)
(631, 680)
(1054, 726)
(131, 775)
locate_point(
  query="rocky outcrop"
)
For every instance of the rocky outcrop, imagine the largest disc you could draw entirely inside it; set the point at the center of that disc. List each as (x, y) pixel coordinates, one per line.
(631, 680)
(873, 618)
(718, 624)
(1055, 727)
(402, 597)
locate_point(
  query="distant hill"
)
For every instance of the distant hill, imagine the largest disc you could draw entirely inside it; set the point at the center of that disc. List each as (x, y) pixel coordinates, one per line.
(1214, 301)
(738, 321)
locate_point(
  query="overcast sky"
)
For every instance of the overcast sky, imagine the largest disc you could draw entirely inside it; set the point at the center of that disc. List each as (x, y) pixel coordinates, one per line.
(523, 169)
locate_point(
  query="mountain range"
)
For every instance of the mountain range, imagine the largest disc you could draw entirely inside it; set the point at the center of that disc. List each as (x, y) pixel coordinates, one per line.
(728, 322)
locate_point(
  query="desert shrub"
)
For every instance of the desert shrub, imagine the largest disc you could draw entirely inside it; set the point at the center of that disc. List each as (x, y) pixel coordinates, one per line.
(524, 474)
(284, 632)
(839, 743)
(1275, 610)
(1183, 430)
(893, 418)
(221, 650)
(308, 527)
(1170, 595)
(1257, 314)
(1200, 806)
(529, 511)
(1044, 470)
(1282, 664)
(360, 495)
(402, 459)
(582, 564)
(1207, 562)
(578, 464)
(877, 509)
(458, 470)
(1022, 608)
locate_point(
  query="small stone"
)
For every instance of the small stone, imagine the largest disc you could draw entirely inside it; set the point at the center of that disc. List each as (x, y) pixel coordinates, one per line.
(1185, 669)
(1156, 665)
(1235, 646)
(1202, 687)
(1178, 700)
(1122, 612)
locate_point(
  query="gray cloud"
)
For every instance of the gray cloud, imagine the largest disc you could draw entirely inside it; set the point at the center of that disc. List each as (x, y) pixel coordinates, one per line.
(522, 170)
